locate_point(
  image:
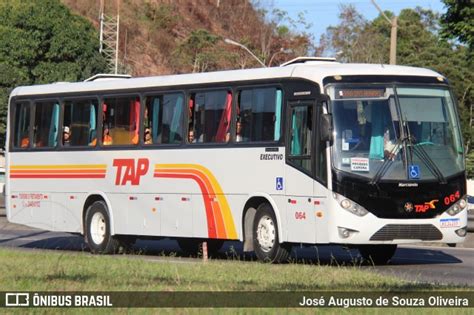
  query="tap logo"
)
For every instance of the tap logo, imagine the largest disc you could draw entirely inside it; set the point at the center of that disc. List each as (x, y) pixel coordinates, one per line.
(408, 207)
(429, 205)
(129, 171)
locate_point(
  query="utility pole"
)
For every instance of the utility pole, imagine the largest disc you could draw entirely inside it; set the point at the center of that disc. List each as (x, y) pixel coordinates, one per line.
(109, 36)
(393, 34)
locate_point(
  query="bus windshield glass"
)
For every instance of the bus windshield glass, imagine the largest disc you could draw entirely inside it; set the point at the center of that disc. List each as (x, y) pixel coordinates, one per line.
(392, 132)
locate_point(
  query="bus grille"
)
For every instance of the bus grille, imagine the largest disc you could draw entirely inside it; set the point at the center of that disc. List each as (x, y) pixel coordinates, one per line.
(424, 232)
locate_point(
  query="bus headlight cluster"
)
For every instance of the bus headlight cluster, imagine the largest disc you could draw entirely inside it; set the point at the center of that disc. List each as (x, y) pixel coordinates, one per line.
(457, 207)
(350, 205)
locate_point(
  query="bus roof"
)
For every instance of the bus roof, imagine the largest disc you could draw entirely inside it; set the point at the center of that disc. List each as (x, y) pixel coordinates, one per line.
(312, 70)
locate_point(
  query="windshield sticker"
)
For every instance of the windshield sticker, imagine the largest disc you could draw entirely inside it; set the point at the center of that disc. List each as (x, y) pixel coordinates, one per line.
(450, 223)
(346, 161)
(414, 171)
(360, 164)
(345, 145)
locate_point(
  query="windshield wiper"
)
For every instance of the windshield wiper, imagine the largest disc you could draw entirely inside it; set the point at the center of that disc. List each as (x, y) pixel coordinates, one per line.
(423, 156)
(388, 161)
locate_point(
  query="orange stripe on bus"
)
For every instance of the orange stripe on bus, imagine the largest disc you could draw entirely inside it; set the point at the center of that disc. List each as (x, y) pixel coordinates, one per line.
(222, 209)
(209, 193)
(211, 230)
(64, 166)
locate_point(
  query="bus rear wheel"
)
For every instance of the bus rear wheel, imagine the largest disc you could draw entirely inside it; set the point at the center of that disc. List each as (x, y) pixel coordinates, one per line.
(377, 254)
(265, 237)
(97, 232)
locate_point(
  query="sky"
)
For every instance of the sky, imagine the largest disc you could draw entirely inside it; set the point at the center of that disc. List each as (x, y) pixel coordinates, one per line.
(323, 13)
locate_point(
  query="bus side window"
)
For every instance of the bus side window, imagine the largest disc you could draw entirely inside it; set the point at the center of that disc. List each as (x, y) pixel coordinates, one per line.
(121, 121)
(212, 112)
(80, 117)
(163, 119)
(260, 114)
(46, 126)
(22, 126)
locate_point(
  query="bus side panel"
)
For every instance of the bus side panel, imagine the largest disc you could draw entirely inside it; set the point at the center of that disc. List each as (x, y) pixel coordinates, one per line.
(144, 215)
(300, 206)
(32, 209)
(322, 212)
(205, 190)
(67, 209)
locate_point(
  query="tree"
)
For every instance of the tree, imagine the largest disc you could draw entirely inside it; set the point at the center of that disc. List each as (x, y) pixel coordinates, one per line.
(353, 39)
(419, 45)
(199, 51)
(458, 21)
(42, 42)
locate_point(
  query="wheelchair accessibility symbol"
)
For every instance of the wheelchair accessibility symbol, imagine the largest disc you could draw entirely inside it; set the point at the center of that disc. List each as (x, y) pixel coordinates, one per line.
(279, 183)
(414, 171)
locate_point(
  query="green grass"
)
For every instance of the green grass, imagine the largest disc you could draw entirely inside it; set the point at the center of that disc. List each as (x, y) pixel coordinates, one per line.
(31, 270)
(22, 270)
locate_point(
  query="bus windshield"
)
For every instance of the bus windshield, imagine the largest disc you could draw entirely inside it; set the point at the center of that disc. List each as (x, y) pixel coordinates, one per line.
(389, 132)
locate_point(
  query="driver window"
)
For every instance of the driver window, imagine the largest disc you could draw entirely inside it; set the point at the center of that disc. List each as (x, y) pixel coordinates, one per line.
(301, 136)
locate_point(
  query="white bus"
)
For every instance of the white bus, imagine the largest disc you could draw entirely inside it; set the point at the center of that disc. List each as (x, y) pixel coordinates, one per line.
(312, 152)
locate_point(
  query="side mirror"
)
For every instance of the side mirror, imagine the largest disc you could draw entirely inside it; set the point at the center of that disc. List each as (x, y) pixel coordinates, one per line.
(325, 127)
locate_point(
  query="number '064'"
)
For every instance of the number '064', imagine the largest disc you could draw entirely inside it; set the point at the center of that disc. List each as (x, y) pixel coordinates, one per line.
(300, 215)
(452, 198)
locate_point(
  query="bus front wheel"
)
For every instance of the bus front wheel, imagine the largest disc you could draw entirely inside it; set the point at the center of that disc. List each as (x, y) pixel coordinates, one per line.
(265, 237)
(377, 254)
(98, 235)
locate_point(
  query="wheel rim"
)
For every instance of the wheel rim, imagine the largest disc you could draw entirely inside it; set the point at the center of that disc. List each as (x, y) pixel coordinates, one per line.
(98, 228)
(266, 234)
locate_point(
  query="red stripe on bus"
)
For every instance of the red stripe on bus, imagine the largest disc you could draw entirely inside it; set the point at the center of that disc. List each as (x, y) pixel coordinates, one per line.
(57, 175)
(210, 195)
(207, 194)
(211, 225)
(65, 171)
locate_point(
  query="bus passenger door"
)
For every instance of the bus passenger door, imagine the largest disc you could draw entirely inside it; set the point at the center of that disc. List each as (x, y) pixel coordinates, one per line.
(300, 171)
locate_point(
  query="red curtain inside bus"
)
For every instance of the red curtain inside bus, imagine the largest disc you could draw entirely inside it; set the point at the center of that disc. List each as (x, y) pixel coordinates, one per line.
(224, 124)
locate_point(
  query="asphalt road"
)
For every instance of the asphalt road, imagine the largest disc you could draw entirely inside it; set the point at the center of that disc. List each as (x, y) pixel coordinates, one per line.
(431, 264)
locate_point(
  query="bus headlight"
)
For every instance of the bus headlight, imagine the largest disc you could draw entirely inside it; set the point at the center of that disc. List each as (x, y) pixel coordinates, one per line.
(350, 205)
(457, 207)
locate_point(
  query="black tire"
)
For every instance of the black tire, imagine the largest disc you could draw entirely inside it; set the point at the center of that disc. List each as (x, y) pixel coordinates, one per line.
(266, 243)
(193, 246)
(97, 231)
(377, 254)
(452, 244)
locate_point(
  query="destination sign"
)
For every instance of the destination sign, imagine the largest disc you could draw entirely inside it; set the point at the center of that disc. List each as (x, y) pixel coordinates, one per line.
(360, 93)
